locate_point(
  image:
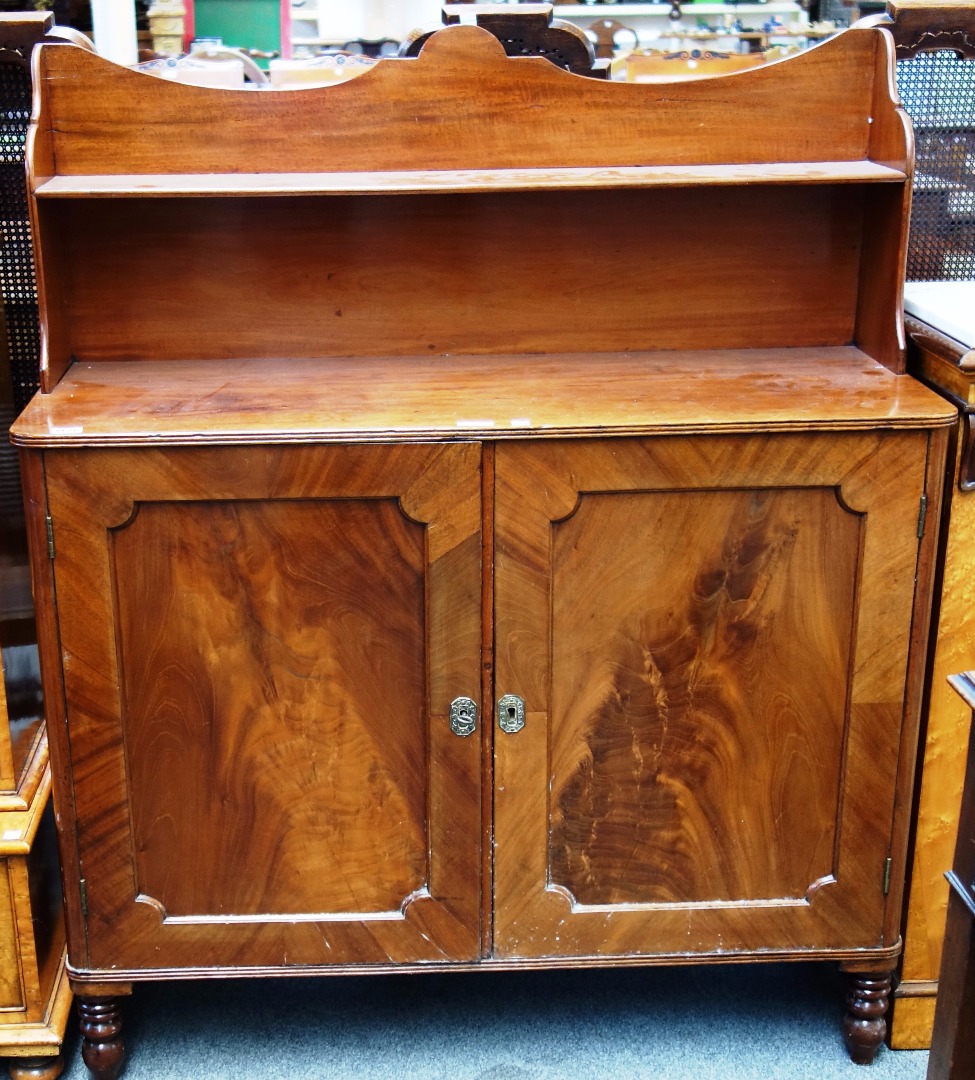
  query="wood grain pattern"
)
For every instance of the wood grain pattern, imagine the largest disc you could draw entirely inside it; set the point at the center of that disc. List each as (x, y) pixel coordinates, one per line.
(846, 906)
(11, 987)
(34, 992)
(460, 181)
(282, 670)
(494, 397)
(115, 121)
(33, 988)
(714, 611)
(880, 304)
(302, 785)
(199, 279)
(953, 1043)
(496, 215)
(52, 679)
(8, 774)
(682, 683)
(941, 777)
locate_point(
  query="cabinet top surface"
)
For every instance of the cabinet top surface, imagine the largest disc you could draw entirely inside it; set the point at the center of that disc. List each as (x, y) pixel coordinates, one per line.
(464, 397)
(948, 306)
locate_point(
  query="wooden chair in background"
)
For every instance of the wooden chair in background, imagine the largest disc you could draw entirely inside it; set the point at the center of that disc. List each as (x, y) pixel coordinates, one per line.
(608, 33)
(527, 30)
(653, 66)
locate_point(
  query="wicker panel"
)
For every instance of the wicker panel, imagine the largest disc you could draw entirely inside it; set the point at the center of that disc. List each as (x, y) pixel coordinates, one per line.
(16, 257)
(938, 91)
(21, 348)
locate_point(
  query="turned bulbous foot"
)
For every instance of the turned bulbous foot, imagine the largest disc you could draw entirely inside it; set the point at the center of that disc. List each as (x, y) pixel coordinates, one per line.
(36, 1068)
(102, 1049)
(865, 1024)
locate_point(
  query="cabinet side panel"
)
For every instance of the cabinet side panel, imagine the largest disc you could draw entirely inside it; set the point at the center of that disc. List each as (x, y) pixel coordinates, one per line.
(701, 653)
(880, 314)
(274, 704)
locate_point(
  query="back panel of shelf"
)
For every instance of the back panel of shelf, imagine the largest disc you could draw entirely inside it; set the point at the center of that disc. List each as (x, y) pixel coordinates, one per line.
(529, 272)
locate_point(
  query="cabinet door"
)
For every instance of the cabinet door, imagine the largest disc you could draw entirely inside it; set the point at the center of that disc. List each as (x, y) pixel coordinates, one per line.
(710, 635)
(260, 648)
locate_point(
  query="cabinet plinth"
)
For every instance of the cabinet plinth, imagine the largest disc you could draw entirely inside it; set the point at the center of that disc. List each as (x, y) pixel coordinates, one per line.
(432, 581)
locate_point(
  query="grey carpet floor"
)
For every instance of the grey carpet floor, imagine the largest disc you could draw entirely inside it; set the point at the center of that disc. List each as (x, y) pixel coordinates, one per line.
(768, 1022)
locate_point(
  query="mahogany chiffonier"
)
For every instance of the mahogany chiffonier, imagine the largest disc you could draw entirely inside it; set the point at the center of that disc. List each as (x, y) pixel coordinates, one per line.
(479, 519)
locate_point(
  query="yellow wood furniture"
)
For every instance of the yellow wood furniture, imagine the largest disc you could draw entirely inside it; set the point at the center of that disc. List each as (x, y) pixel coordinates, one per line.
(939, 353)
(428, 582)
(34, 993)
(953, 1043)
(948, 364)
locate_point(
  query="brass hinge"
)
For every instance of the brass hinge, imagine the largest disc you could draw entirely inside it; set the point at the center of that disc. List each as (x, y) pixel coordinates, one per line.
(84, 897)
(50, 536)
(922, 515)
(887, 865)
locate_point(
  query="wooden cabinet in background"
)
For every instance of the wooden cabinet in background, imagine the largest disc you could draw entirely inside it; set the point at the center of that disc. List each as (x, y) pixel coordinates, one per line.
(935, 47)
(35, 997)
(946, 364)
(953, 1043)
(431, 579)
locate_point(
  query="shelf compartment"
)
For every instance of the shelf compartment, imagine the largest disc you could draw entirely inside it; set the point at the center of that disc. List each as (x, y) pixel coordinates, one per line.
(408, 274)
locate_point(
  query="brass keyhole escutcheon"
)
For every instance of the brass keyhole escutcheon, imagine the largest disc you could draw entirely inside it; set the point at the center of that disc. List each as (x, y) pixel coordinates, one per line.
(511, 713)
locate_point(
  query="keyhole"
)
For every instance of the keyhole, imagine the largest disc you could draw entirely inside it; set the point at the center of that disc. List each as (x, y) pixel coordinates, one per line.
(511, 713)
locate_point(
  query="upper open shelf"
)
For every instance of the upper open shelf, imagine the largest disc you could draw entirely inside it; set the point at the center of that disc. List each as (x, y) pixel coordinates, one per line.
(461, 180)
(766, 209)
(465, 115)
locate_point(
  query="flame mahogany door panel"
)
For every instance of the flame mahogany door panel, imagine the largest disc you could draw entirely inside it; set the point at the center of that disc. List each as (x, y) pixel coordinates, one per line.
(260, 650)
(711, 638)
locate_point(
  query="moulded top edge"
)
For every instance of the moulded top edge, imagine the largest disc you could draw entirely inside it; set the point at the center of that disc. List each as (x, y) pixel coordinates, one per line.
(460, 180)
(443, 397)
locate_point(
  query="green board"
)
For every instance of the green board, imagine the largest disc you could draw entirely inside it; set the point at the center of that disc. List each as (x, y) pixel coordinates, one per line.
(240, 24)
